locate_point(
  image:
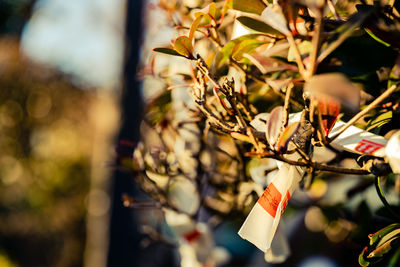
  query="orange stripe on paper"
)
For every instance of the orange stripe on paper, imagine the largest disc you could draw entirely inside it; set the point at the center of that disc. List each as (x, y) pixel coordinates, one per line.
(270, 199)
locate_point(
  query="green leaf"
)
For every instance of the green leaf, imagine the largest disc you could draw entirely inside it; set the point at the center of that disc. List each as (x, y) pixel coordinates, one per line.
(167, 51)
(382, 249)
(194, 26)
(253, 6)
(183, 45)
(389, 237)
(259, 26)
(361, 260)
(383, 29)
(212, 10)
(379, 120)
(384, 231)
(246, 46)
(225, 53)
(376, 38)
(380, 244)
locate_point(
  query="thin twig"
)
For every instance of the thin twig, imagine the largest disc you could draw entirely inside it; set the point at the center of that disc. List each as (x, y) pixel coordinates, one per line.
(286, 105)
(315, 43)
(297, 55)
(314, 165)
(364, 111)
(260, 80)
(321, 132)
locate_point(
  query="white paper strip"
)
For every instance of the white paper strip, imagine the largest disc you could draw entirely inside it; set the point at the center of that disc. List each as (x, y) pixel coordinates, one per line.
(279, 250)
(353, 139)
(261, 223)
(393, 152)
(357, 140)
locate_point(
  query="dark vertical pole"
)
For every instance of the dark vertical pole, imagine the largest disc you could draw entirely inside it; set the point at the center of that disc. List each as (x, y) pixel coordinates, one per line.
(124, 237)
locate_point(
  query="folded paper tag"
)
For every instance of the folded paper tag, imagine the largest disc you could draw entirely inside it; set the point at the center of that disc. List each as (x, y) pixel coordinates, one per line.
(279, 250)
(261, 223)
(353, 139)
(357, 140)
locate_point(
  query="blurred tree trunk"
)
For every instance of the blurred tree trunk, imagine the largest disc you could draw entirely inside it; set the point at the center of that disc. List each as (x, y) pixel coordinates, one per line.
(124, 236)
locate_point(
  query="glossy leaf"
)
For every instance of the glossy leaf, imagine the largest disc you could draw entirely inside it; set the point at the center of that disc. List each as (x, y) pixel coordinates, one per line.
(376, 38)
(259, 26)
(380, 244)
(286, 136)
(376, 237)
(363, 262)
(379, 120)
(274, 17)
(274, 124)
(246, 46)
(225, 53)
(183, 45)
(381, 27)
(206, 20)
(194, 26)
(167, 51)
(253, 6)
(212, 10)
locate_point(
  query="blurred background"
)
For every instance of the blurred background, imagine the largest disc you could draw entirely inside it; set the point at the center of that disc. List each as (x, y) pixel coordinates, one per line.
(61, 81)
(70, 108)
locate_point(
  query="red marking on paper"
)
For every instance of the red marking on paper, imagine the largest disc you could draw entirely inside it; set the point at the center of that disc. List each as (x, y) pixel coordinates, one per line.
(285, 201)
(192, 236)
(270, 199)
(367, 147)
